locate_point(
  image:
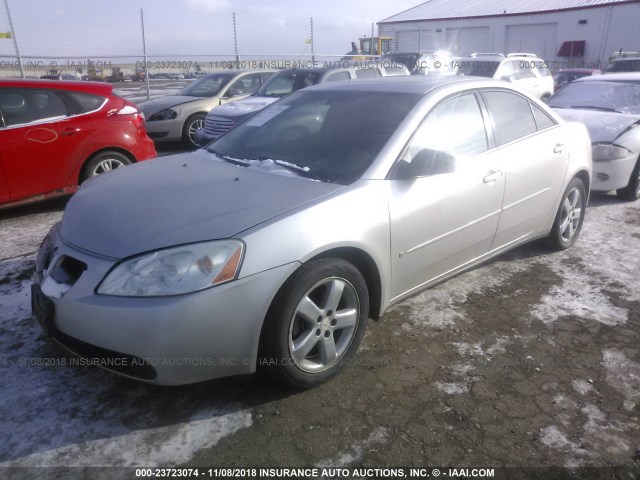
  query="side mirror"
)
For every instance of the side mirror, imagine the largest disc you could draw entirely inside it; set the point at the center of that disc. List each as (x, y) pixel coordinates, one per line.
(426, 163)
(233, 92)
(507, 78)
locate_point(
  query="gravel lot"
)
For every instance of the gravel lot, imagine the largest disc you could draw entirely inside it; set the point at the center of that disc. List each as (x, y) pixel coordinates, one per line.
(530, 360)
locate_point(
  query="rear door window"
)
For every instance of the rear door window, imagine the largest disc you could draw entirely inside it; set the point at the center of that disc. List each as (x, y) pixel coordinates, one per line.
(511, 115)
(28, 106)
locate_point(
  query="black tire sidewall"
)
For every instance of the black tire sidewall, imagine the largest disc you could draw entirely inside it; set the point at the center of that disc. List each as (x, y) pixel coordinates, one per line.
(275, 357)
(630, 192)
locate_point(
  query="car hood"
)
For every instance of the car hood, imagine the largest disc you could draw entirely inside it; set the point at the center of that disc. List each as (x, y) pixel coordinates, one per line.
(157, 104)
(243, 107)
(602, 126)
(176, 200)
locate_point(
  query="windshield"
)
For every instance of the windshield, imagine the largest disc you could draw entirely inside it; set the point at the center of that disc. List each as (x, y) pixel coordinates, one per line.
(206, 86)
(283, 83)
(478, 68)
(613, 96)
(333, 136)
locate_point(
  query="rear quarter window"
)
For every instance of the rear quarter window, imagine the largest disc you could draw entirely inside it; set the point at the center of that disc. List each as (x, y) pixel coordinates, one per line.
(87, 102)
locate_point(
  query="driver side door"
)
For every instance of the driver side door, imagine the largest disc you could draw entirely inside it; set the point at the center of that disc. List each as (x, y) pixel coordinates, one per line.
(447, 215)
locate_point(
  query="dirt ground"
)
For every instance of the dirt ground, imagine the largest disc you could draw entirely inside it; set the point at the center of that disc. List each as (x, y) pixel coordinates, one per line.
(532, 359)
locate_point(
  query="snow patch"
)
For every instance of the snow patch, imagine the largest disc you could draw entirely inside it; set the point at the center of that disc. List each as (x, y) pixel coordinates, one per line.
(452, 388)
(378, 436)
(582, 386)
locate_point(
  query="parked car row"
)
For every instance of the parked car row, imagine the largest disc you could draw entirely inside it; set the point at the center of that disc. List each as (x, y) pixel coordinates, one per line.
(222, 119)
(328, 203)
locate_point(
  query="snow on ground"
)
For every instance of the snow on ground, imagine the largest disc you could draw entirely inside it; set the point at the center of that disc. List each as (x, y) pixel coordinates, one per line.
(53, 414)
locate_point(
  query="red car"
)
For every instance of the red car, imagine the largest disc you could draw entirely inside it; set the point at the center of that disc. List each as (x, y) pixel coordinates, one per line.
(55, 135)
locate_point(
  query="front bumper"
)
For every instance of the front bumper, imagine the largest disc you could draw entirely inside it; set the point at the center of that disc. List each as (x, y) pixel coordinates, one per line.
(613, 174)
(166, 340)
(165, 130)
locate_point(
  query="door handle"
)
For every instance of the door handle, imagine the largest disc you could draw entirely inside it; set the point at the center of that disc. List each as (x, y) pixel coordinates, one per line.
(559, 148)
(67, 132)
(492, 176)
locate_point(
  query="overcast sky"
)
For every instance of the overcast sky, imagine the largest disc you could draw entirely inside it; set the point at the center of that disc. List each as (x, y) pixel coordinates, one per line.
(87, 27)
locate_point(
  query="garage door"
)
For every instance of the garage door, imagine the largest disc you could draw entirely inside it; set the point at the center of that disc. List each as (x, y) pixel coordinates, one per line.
(407, 41)
(452, 41)
(431, 40)
(539, 39)
(475, 39)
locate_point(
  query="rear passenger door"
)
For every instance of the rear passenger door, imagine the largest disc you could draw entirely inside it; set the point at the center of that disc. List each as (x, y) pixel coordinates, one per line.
(41, 143)
(530, 148)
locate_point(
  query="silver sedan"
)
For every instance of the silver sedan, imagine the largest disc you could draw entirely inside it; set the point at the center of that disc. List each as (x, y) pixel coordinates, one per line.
(271, 249)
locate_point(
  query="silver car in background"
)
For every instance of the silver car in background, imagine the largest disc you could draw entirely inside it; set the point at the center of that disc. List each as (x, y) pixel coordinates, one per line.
(177, 117)
(271, 248)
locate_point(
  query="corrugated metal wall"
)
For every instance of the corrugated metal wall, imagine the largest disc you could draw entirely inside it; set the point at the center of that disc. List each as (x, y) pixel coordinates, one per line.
(607, 29)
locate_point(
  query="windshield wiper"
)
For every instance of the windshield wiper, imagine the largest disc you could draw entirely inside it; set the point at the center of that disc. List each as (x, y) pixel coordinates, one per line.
(595, 107)
(234, 161)
(302, 171)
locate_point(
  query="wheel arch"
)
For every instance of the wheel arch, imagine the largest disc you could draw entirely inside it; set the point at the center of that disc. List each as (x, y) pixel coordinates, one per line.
(367, 267)
(586, 178)
(90, 157)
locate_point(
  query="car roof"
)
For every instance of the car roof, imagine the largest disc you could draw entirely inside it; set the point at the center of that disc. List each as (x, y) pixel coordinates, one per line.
(97, 88)
(612, 77)
(577, 70)
(417, 84)
(484, 58)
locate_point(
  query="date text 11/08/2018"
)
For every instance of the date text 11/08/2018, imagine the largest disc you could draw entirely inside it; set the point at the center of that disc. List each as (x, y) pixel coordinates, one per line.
(316, 472)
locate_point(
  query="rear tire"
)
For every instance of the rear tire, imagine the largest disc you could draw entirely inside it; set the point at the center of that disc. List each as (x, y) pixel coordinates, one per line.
(315, 323)
(103, 162)
(194, 123)
(632, 191)
(568, 223)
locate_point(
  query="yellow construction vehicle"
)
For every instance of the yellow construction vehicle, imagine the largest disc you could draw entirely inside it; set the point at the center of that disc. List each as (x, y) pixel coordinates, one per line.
(370, 47)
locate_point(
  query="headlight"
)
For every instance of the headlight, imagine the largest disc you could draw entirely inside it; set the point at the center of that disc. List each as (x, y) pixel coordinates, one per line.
(608, 151)
(166, 114)
(176, 270)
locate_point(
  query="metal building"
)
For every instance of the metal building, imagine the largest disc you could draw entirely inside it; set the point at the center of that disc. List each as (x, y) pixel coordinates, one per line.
(563, 32)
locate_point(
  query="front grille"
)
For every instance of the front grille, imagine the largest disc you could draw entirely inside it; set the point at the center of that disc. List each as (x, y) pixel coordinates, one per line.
(217, 126)
(602, 177)
(67, 270)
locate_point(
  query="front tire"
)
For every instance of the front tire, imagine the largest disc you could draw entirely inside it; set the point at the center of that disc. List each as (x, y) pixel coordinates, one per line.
(632, 191)
(104, 162)
(315, 324)
(570, 217)
(194, 123)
